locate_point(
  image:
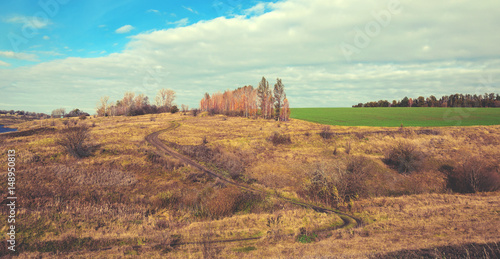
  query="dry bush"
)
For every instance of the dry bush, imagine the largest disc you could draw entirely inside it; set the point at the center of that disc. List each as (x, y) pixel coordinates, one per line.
(352, 182)
(473, 175)
(341, 182)
(76, 141)
(326, 132)
(227, 201)
(195, 112)
(280, 139)
(275, 225)
(320, 185)
(405, 157)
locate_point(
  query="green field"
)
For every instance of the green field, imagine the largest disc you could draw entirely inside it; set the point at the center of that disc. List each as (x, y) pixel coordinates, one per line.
(395, 116)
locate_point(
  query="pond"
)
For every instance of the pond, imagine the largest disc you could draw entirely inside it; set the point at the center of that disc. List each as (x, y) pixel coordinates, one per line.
(3, 130)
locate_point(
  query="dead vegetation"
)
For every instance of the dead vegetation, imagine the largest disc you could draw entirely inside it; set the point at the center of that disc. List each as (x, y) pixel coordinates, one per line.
(75, 139)
(127, 200)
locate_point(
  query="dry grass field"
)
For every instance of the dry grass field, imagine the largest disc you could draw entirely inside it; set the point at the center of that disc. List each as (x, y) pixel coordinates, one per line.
(408, 185)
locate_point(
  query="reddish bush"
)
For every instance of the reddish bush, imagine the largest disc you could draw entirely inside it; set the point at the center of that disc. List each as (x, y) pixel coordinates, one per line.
(279, 139)
(473, 175)
(75, 141)
(405, 157)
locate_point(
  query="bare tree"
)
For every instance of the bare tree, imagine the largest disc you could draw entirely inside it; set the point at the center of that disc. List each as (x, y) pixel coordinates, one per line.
(140, 101)
(263, 92)
(165, 98)
(279, 97)
(102, 107)
(184, 108)
(58, 112)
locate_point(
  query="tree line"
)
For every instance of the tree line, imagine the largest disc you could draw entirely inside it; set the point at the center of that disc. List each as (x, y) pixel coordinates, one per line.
(454, 100)
(248, 101)
(61, 112)
(132, 104)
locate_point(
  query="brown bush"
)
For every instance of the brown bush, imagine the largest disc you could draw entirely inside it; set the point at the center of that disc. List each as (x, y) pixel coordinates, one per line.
(326, 132)
(473, 175)
(280, 139)
(352, 182)
(405, 157)
(340, 182)
(320, 185)
(229, 200)
(76, 141)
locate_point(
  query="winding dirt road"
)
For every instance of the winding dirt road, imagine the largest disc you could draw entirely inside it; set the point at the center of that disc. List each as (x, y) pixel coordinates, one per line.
(163, 149)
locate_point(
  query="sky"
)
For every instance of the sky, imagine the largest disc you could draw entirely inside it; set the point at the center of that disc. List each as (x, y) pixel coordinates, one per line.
(328, 53)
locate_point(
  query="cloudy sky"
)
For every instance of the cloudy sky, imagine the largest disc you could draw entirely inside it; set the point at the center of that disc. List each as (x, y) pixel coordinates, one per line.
(329, 53)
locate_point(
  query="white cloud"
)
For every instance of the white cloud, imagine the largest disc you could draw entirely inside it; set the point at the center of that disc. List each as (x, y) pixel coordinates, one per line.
(258, 9)
(102, 26)
(425, 49)
(46, 37)
(124, 29)
(4, 64)
(190, 9)
(180, 23)
(35, 22)
(19, 55)
(152, 11)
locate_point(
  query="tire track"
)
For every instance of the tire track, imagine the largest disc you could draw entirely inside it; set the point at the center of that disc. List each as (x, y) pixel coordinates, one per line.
(162, 149)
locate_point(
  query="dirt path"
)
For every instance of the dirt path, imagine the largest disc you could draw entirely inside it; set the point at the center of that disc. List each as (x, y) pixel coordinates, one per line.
(163, 149)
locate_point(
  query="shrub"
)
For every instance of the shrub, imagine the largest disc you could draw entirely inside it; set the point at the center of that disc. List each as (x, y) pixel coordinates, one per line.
(195, 112)
(82, 117)
(275, 227)
(405, 157)
(320, 186)
(305, 239)
(227, 201)
(351, 183)
(326, 133)
(278, 139)
(75, 141)
(174, 109)
(471, 176)
(340, 182)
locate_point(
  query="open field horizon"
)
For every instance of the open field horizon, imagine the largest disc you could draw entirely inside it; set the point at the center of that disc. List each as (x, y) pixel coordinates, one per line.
(397, 116)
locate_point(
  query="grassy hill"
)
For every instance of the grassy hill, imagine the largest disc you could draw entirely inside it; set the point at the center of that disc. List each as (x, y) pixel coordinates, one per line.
(127, 199)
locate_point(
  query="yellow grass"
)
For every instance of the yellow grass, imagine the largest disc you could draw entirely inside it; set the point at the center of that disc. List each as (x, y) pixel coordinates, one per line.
(428, 219)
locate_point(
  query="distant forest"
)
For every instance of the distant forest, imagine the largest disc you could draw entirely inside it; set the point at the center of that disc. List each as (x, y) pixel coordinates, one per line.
(454, 100)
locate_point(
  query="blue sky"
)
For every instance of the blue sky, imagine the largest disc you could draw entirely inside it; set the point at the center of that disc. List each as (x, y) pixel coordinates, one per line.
(89, 28)
(329, 53)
